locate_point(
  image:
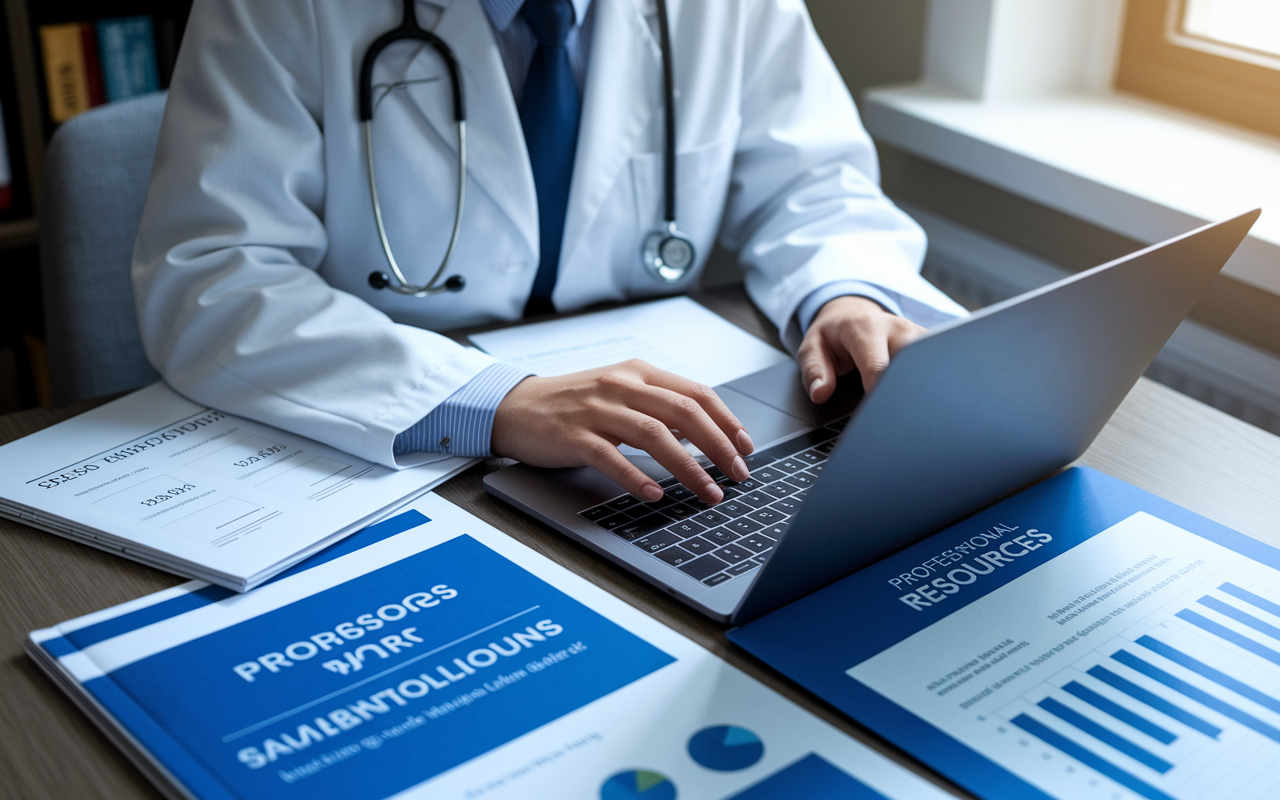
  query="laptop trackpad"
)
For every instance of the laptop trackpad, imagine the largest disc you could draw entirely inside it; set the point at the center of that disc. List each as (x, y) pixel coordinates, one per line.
(779, 386)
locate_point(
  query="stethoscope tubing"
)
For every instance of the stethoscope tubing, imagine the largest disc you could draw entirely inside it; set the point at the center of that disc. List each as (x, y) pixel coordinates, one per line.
(666, 253)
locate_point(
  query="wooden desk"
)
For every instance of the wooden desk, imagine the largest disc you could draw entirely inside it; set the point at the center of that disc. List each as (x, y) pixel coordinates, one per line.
(1159, 440)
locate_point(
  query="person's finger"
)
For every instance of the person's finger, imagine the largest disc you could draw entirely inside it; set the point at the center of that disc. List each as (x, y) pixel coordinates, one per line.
(706, 397)
(817, 368)
(652, 435)
(868, 346)
(605, 457)
(682, 413)
(903, 334)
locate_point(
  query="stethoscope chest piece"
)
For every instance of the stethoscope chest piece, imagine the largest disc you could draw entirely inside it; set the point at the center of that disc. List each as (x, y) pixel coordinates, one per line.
(668, 254)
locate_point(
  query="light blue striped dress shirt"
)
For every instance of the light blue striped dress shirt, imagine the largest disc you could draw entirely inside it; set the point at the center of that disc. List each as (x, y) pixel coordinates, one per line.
(463, 423)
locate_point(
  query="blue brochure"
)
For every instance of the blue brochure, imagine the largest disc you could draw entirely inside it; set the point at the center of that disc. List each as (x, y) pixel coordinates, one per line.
(432, 656)
(1081, 640)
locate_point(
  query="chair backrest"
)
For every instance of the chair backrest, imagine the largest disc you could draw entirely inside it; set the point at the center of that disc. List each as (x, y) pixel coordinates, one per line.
(97, 170)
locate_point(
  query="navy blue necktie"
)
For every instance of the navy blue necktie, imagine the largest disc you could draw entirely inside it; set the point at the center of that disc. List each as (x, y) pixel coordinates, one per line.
(549, 110)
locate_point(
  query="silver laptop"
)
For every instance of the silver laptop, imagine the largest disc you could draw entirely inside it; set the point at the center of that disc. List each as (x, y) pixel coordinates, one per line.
(973, 410)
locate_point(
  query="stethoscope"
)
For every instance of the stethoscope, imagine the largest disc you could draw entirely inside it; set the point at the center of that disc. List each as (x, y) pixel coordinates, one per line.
(667, 253)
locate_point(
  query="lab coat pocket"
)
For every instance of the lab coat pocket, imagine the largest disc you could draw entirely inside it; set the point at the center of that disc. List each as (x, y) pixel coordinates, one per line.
(702, 182)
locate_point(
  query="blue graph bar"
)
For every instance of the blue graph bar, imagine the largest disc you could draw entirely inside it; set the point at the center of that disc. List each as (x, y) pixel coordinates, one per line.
(1202, 697)
(1104, 735)
(1155, 701)
(1088, 757)
(1221, 678)
(1223, 632)
(1228, 610)
(1251, 598)
(1137, 721)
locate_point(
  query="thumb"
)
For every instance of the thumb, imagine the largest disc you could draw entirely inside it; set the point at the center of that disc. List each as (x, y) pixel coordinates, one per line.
(817, 372)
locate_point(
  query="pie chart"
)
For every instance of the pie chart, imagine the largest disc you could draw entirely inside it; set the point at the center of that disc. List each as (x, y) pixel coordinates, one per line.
(638, 785)
(725, 748)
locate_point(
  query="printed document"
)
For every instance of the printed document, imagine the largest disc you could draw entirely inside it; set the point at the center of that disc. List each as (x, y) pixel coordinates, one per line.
(157, 478)
(431, 656)
(677, 334)
(1083, 640)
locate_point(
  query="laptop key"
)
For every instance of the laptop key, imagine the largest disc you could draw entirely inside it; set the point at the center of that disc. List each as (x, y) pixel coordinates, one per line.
(699, 545)
(687, 528)
(721, 535)
(716, 580)
(733, 553)
(597, 513)
(741, 567)
(754, 499)
(801, 480)
(711, 518)
(623, 503)
(678, 493)
(679, 511)
(816, 468)
(826, 447)
(777, 490)
(636, 528)
(757, 542)
(656, 541)
(767, 516)
(811, 457)
(787, 505)
(789, 465)
(675, 555)
(703, 567)
(743, 525)
(733, 508)
(767, 475)
(749, 485)
(609, 523)
(775, 531)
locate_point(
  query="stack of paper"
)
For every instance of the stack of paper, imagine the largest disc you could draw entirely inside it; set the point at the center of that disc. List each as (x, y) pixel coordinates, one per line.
(159, 479)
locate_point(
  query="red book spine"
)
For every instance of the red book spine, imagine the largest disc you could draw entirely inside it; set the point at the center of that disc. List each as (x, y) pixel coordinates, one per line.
(92, 64)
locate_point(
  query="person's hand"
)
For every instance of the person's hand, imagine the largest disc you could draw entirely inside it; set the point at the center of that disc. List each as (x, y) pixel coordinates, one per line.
(580, 419)
(851, 333)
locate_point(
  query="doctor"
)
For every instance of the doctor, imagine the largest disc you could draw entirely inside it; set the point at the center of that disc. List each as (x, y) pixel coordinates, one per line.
(252, 267)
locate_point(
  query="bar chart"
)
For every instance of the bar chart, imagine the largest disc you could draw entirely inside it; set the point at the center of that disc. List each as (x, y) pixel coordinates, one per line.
(1182, 705)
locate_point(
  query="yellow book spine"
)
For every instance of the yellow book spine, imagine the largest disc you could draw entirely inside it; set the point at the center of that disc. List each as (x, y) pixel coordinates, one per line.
(66, 79)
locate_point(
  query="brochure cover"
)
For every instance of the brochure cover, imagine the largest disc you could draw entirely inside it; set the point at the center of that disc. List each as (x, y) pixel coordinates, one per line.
(431, 656)
(1082, 640)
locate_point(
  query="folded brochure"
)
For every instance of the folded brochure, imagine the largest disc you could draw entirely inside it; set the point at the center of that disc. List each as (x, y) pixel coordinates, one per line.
(432, 656)
(1080, 640)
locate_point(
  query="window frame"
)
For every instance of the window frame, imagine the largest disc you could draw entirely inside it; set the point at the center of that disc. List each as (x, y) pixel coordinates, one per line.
(1161, 62)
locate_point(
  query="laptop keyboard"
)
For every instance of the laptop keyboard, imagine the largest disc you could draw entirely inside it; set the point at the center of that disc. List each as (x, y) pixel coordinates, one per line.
(717, 544)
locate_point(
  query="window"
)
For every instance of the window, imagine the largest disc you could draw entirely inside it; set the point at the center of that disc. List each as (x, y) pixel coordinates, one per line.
(1216, 57)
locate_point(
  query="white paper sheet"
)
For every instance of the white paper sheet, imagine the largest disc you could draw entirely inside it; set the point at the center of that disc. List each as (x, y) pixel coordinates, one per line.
(676, 334)
(196, 491)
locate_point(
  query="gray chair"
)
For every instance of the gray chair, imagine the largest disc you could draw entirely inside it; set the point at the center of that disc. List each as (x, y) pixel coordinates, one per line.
(96, 174)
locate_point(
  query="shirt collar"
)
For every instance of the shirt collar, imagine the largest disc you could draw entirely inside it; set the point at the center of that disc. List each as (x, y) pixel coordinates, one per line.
(503, 12)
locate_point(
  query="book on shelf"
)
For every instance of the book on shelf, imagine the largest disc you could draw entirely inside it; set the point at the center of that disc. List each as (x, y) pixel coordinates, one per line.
(87, 64)
(128, 52)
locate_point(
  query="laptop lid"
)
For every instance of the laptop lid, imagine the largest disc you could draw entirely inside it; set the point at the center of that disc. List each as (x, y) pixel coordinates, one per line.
(983, 406)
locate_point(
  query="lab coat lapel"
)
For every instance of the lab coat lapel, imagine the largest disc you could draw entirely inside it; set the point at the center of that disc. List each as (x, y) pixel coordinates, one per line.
(497, 160)
(623, 91)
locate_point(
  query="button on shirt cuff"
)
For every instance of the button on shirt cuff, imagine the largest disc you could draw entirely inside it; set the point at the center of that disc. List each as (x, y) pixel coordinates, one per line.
(819, 297)
(463, 423)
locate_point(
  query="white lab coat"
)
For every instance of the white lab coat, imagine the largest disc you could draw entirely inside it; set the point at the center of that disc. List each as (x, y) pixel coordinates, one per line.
(250, 269)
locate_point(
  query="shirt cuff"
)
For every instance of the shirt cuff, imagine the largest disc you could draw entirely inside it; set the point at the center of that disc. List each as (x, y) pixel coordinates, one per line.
(463, 423)
(813, 303)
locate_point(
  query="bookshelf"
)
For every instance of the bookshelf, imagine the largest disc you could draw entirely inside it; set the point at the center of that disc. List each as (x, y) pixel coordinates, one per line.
(27, 127)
